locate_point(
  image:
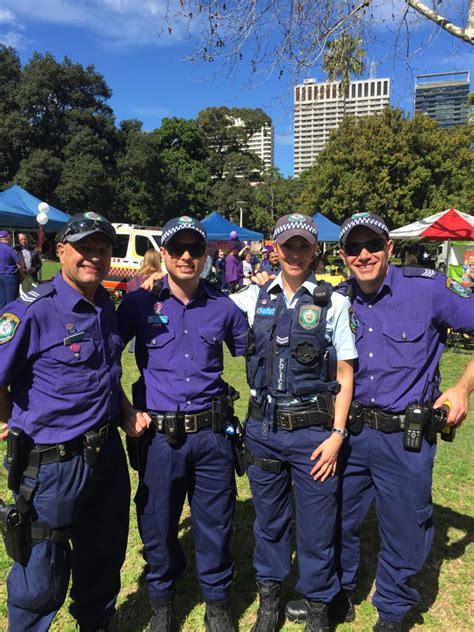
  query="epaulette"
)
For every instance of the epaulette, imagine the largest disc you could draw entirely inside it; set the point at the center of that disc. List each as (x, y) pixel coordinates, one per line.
(40, 291)
(414, 271)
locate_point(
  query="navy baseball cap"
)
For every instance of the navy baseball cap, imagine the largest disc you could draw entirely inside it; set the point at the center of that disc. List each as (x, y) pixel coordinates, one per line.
(369, 220)
(293, 225)
(82, 225)
(177, 224)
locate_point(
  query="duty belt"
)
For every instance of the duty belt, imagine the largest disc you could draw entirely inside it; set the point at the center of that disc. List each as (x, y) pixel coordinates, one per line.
(191, 422)
(288, 419)
(52, 453)
(380, 420)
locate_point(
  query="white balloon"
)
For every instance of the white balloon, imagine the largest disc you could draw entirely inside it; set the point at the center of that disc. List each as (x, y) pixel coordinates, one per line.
(42, 219)
(43, 207)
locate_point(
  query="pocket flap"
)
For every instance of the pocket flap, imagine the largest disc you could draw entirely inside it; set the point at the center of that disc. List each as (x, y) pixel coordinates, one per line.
(66, 355)
(211, 336)
(160, 338)
(407, 331)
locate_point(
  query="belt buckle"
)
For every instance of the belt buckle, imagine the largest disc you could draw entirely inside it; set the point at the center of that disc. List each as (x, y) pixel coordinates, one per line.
(103, 432)
(190, 423)
(285, 420)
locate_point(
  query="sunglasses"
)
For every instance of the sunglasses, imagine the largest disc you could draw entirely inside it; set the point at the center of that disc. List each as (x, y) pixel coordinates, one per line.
(196, 249)
(354, 248)
(84, 225)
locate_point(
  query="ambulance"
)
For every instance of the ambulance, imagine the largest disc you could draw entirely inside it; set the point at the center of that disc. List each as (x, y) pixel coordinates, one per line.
(132, 243)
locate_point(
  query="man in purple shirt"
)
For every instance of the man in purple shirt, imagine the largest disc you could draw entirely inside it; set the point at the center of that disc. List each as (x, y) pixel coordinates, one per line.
(60, 393)
(180, 328)
(234, 272)
(9, 270)
(400, 318)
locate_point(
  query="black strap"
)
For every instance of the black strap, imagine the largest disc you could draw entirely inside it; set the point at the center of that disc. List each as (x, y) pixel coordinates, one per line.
(268, 465)
(381, 420)
(190, 423)
(288, 419)
(42, 531)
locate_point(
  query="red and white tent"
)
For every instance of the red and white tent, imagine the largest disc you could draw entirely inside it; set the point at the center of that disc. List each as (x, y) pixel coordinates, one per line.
(450, 224)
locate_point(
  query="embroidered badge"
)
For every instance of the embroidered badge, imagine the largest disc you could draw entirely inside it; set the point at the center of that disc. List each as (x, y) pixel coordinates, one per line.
(185, 219)
(353, 322)
(92, 215)
(8, 325)
(265, 311)
(309, 316)
(457, 288)
(357, 215)
(296, 217)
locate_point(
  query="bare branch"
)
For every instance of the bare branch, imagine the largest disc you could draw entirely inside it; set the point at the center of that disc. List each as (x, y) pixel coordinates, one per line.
(465, 34)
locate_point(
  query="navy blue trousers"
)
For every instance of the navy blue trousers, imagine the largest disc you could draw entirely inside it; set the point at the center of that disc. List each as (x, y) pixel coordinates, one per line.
(202, 468)
(8, 288)
(95, 502)
(315, 506)
(376, 466)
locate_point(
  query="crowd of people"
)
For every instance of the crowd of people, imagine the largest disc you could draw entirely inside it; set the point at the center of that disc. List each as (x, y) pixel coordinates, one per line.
(345, 409)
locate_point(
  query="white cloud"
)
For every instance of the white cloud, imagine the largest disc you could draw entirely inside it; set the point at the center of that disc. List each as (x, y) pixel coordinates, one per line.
(6, 16)
(118, 22)
(15, 39)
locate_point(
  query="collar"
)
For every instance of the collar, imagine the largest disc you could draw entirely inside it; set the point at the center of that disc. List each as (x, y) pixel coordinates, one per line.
(309, 285)
(71, 297)
(203, 290)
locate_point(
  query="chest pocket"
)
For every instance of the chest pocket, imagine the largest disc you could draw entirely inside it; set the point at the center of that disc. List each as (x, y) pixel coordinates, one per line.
(74, 372)
(208, 354)
(159, 346)
(404, 343)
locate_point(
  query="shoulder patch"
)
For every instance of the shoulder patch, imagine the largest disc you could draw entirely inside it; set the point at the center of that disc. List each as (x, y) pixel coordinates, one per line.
(425, 273)
(8, 326)
(40, 291)
(457, 288)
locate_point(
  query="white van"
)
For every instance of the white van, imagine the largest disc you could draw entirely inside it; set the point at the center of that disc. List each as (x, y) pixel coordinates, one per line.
(132, 243)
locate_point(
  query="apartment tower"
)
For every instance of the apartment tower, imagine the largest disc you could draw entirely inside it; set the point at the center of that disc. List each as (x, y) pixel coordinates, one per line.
(444, 97)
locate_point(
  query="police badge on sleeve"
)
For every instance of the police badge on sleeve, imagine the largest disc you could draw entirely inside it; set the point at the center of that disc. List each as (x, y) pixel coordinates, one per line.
(457, 288)
(8, 325)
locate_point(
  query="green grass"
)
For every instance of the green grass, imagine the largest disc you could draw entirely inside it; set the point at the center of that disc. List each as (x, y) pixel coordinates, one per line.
(443, 584)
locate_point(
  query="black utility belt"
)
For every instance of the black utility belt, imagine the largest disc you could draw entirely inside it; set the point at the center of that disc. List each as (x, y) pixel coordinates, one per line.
(92, 440)
(188, 422)
(381, 420)
(288, 419)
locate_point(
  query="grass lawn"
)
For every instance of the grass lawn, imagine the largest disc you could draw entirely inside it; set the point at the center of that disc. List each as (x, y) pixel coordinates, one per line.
(444, 584)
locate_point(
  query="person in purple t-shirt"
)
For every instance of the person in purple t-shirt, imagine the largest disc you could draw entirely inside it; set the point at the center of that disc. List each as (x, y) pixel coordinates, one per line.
(60, 392)
(234, 270)
(9, 270)
(180, 327)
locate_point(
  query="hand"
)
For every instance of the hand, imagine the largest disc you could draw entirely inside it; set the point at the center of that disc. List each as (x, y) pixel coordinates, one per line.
(150, 281)
(261, 278)
(458, 400)
(327, 461)
(3, 432)
(135, 422)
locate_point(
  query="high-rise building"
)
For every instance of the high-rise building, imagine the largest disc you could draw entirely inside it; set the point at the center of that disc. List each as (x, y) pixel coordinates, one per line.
(262, 144)
(320, 107)
(443, 96)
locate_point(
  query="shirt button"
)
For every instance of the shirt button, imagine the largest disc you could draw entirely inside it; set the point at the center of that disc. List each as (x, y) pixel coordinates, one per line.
(185, 331)
(153, 342)
(371, 355)
(372, 400)
(189, 403)
(370, 306)
(404, 335)
(186, 355)
(187, 379)
(370, 329)
(371, 377)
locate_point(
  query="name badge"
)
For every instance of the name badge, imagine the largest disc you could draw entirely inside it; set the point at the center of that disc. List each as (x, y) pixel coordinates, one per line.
(158, 319)
(265, 311)
(69, 340)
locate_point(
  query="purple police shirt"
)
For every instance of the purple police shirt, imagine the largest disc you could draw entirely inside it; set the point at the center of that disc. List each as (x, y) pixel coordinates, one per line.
(401, 334)
(267, 267)
(8, 259)
(181, 360)
(62, 389)
(233, 268)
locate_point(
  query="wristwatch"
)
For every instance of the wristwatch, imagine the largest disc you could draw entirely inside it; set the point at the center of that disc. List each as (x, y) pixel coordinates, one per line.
(340, 431)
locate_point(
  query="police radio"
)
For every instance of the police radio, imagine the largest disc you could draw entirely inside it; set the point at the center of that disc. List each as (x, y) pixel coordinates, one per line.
(416, 417)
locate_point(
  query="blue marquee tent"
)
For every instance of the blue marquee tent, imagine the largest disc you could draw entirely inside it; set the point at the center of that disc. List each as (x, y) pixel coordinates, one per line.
(327, 230)
(18, 209)
(219, 228)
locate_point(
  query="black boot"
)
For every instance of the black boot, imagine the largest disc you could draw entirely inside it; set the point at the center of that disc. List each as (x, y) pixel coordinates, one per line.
(217, 618)
(163, 618)
(387, 626)
(341, 609)
(317, 620)
(267, 614)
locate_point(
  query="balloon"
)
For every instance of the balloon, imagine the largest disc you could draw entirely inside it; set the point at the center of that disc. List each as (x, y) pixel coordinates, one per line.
(233, 234)
(42, 219)
(43, 207)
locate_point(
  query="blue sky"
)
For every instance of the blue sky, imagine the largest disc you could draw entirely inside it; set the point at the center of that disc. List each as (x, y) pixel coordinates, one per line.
(146, 68)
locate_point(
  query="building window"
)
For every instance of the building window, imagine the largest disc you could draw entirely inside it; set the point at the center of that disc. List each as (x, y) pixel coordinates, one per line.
(385, 88)
(379, 88)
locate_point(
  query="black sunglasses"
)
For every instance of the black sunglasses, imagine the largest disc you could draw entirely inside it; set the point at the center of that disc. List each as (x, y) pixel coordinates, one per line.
(83, 225)
(196, 248)
(354, 248)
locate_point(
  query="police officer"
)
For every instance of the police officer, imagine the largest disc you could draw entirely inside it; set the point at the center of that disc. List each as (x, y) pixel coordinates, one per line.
(180, 328)
(9, 269)
(400, 316)
(299, 369)
(60, 360)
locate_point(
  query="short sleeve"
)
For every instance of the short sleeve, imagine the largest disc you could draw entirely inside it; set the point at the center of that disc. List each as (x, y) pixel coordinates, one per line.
(338, 327)
(246, 301)
(236, 334)
(453, 305)
(18, 336)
